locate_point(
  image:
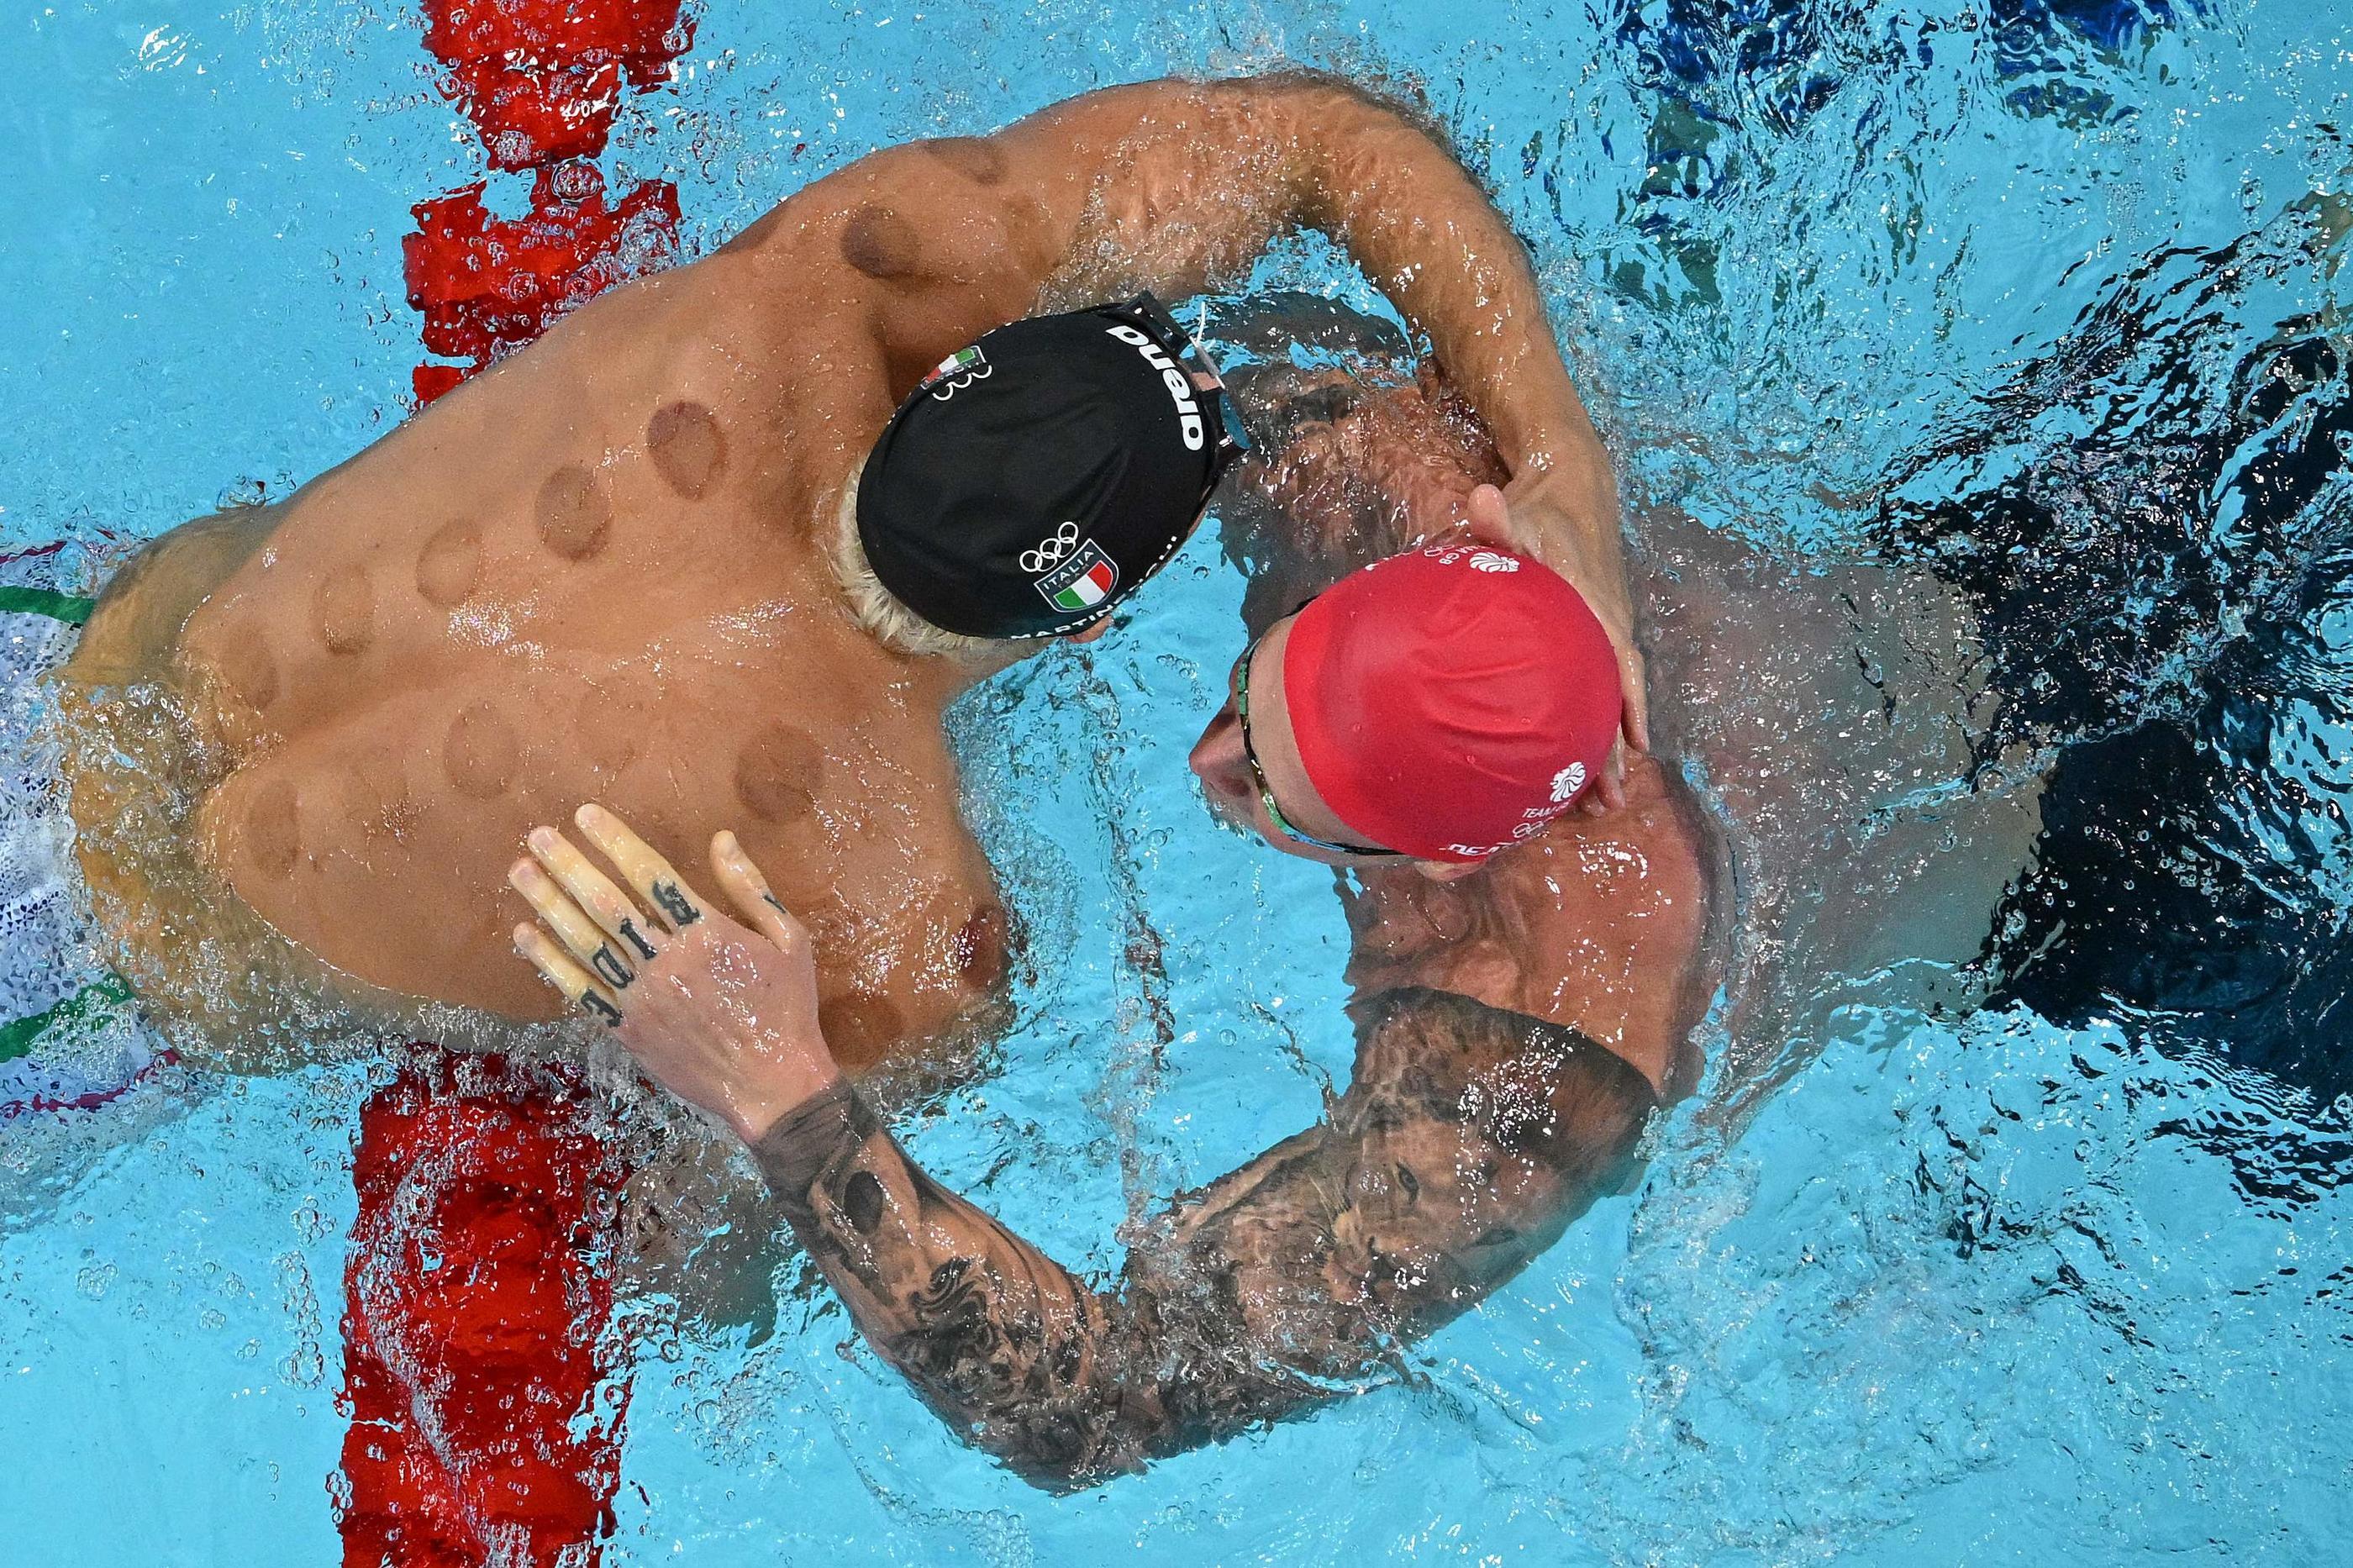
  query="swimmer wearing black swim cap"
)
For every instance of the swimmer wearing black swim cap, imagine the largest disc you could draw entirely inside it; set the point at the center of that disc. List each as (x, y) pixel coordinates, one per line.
(1037, 478)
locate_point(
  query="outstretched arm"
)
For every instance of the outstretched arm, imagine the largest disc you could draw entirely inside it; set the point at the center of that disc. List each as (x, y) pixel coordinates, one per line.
(1470, 1137)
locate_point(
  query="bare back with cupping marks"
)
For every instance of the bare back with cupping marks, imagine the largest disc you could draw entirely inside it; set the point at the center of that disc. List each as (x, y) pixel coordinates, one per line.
(597, 572)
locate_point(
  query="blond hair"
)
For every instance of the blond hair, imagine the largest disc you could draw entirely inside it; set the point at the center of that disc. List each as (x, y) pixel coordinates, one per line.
(875, 608)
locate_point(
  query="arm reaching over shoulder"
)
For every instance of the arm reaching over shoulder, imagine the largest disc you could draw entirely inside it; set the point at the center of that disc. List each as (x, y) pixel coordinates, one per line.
(1207, 174)
(1469, 1138)
(1175, 185)
(1182, 184)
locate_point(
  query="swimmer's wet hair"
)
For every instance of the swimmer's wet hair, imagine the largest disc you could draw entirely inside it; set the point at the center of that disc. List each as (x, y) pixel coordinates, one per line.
(874, 607)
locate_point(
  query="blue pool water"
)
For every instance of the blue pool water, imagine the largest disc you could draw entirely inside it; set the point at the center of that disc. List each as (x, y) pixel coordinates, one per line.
(2010, 1225)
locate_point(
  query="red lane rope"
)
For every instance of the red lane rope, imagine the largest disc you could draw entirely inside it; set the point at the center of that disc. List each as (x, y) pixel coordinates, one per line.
(480, 1357)
(541, 80)
(481, 1372)
(488, 285)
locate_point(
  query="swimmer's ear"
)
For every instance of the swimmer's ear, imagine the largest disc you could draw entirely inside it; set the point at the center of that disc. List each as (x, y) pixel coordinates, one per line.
(1447, 870)
(1092, 633)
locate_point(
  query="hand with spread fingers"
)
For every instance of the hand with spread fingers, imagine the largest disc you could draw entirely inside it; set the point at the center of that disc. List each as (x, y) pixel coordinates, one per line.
(722, 1012)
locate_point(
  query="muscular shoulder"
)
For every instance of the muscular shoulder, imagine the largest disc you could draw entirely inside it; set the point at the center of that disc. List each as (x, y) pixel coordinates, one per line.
(918, 211)
(1605, 924)
(915, 249)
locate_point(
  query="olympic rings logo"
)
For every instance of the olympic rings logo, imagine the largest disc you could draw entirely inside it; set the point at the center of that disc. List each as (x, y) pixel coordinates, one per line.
(945, 390)
(1051, 550)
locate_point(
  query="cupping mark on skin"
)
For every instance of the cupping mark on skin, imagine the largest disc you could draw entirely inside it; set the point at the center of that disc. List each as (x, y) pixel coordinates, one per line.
(859, 1028)
(273, 828)
(450, 564)
(687, 448)
(574, 513)
(777, 773)
(978, 947)
(342, 611)
(247, 665)
(982, 162)
(879, 243)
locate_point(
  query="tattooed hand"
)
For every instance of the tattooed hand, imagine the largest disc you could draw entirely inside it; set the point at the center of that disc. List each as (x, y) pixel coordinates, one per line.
(722, 1013)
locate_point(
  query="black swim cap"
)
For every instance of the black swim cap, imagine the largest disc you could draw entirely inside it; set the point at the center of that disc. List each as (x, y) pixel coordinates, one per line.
(1037, 478)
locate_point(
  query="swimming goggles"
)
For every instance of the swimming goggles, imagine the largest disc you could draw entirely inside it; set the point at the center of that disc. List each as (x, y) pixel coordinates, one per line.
(1258, 774)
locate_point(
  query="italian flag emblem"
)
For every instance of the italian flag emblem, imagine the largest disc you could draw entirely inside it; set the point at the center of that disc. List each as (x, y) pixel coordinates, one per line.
(1088, 590)
(956, 372)
(955, 364)
(1083, 581)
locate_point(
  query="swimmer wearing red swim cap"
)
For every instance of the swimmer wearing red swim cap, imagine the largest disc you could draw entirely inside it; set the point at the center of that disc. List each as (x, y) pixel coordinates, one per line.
(1440, 706)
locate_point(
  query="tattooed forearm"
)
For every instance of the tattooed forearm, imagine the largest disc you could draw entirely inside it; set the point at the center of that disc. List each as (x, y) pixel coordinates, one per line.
(1006, 1346)
(1470, 1137)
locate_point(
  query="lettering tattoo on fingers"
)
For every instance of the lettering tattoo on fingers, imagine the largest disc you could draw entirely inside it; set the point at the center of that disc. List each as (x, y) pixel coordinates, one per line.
(597, 1007)
(610, 969)
(676, 904)
(636, 939)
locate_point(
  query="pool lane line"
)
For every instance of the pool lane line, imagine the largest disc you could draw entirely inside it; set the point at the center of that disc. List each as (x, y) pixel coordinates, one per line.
(486, 1421)
(94, 1099)
(19, 1037)
(479, 1367)
(73, 609)
(541, 81)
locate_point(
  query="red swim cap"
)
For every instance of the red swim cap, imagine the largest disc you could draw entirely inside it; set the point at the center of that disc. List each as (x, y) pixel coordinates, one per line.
(1452, 701)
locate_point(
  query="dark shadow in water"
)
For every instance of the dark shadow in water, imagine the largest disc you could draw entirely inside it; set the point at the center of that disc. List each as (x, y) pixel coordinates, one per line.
(2166, 576)
(2151, 519)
